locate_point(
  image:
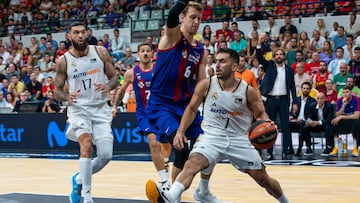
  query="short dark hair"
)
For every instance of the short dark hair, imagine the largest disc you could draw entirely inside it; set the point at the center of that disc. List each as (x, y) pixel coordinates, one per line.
(306, 83)
(346, 87)
(144, 44)
(233, 54)
(76, 23)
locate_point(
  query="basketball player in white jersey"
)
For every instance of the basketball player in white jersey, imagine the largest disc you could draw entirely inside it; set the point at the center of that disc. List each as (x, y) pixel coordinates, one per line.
(226, 119)
(84, 77)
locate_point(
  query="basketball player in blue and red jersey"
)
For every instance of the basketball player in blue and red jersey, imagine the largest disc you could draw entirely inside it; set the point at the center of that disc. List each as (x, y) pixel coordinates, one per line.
(140, 76)
(180, 64)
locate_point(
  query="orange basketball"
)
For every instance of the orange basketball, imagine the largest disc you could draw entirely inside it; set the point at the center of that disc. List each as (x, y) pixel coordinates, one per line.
(262, 134)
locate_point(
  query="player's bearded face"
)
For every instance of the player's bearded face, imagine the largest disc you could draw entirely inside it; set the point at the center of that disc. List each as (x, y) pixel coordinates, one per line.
(80, 45)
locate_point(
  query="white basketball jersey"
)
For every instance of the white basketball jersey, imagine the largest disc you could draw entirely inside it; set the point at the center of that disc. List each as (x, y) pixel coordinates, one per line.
(82, 74)
(225, 110)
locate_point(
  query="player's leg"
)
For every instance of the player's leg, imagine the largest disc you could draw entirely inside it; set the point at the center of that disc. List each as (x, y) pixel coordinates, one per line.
(271, 185)
(166, 152)
(158, 159)
(85, 166)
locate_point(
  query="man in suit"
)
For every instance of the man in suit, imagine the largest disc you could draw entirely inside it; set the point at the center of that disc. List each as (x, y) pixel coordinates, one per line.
(318, 119)
(297, 117)
(277, 86)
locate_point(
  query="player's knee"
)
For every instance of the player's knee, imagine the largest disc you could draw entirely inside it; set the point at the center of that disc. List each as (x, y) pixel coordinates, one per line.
(181, 156)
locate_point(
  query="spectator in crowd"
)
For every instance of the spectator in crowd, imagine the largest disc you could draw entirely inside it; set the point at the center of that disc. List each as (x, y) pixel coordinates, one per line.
(291, 52)
(220, 11)
(11, 70)
(45, 63)
(331, 93)
(346, 120)
(141, 6)
(208, 46)
(35, 88)
(334, 31)
(245, 74)
(288, 27)
(48, 86)
(300, 77)
(24, 97)
(299, 57)
(53, 22)
(16, 87)
(328, 7)
(117, 46)
(3, 102)
(319, 80)
(54, 43)
(339, 40)
(105, 42)
(238, 44)
(354, 89)
(354, 65)
(327, 53)
(34, 48)
(304, 42)
(45, 7)
(112, 18)
(343, 7)
(40, 77)
(4, 53)
(251, 44)
(322, 28)
(352, 28)
(210, 64)
(50, 104)
(334, 65)
(255, 27)
(26, 57)
(49, 49)
(297, 118)
(11, 99)
(349, 48)
(91, 39)
(312, 68)
(317, 41)
(235, 27)
(61, 51)
(318, 119)
(207, 33)
(255, 66)
(128, 59)
(237, 11)
(272, 29)
(228, 34)
(339, 80)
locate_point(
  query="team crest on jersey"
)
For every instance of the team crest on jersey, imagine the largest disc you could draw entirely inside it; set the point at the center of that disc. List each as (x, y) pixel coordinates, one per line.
(141, 84)
(73, 63)
(215, 96)
(184, 53)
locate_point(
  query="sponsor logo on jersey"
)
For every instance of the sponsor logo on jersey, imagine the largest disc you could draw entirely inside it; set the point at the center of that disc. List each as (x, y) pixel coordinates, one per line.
(89, 72)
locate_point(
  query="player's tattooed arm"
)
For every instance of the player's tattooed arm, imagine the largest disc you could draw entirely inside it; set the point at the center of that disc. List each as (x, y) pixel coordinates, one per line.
(61, 92)
(108, 67)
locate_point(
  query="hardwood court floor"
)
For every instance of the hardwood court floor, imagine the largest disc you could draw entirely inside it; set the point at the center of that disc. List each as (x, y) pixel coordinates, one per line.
(126, 179)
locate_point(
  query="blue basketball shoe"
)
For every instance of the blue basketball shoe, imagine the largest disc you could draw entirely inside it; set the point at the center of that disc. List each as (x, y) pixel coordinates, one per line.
(75, 195)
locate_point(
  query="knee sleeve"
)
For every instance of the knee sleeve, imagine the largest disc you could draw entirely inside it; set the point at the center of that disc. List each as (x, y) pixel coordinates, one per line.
(181, 156)
(104, 153)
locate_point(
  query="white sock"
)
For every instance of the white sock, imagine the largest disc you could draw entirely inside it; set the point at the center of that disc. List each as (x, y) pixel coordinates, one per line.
(355, 143)
(86, 173)
(336, 142)
(203, 185)
(176, 190)
(163, 175)
(78, 179)
(283, 198)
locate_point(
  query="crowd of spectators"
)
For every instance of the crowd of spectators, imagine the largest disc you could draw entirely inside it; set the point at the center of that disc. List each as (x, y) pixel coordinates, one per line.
(40, 17)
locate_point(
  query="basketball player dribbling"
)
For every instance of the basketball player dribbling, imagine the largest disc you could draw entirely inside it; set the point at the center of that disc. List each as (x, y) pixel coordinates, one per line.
(225, 134)
(84, 77)
(180, 64)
